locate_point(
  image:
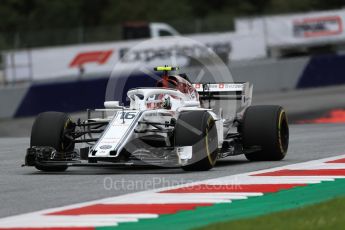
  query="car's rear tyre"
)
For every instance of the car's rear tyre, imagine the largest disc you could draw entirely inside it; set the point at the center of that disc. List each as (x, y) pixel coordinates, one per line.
(197, 129)
(49, 129)
(265, 126)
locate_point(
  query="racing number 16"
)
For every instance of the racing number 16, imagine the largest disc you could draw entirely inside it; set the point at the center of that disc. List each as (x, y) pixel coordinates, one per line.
(127, 115)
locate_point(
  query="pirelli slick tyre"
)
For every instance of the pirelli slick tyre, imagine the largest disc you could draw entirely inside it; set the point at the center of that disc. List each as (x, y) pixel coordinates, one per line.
(265, 126)
(198, 129)
(49, 130)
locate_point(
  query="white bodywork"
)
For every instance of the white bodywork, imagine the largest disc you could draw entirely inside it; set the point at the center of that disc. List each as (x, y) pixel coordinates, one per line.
(140, 97)
(126, 120)
(115, 134)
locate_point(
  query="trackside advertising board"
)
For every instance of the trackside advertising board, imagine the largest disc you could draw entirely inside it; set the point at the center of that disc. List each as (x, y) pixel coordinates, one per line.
(308, 29)
(51, 63)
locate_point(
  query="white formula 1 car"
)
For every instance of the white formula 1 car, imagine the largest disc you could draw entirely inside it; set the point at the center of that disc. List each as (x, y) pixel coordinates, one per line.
(175, 124)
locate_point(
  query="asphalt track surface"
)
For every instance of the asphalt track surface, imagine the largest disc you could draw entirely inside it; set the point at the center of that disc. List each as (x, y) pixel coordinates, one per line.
(26, 189)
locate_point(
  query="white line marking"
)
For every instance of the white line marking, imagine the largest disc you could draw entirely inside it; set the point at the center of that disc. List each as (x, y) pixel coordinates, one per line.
(171, 198)
(322, 166)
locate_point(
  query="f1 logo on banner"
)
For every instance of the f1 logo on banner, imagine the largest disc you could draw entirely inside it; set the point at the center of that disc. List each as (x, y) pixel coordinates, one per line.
(99, 57)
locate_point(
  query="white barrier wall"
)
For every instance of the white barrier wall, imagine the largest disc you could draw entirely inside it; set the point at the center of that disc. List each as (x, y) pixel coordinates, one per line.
(48, 63)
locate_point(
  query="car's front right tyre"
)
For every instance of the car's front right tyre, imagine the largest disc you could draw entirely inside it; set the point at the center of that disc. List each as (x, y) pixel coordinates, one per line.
(49, 130)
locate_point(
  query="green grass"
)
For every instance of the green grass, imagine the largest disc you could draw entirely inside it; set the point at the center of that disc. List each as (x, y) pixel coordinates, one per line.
(326, 215)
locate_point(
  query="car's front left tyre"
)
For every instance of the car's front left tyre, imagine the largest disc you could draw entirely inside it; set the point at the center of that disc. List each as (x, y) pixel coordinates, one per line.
(198, 129)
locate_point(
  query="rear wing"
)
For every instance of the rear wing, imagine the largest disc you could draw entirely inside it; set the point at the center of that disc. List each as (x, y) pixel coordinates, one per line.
(239, 92)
